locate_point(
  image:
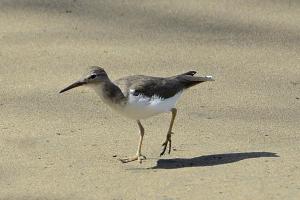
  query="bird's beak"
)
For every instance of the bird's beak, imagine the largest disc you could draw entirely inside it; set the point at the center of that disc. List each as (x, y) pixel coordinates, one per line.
(74, 85)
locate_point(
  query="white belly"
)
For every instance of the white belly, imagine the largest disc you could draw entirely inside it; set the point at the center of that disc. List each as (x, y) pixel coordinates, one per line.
(140, 107)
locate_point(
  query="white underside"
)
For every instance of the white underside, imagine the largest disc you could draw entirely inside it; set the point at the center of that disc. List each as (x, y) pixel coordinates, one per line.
(140, 107)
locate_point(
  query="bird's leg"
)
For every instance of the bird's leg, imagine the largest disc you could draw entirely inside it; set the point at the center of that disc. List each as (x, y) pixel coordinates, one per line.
(168, 139)
(138, 155)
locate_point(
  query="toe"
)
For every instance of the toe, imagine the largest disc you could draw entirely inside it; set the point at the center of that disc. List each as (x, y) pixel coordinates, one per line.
(127, 160)
(123, 160)
(170, 145)
(137, 157)
(163, 151)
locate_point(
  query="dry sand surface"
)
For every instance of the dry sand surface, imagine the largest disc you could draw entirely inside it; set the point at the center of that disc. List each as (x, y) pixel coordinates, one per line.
(235, 138)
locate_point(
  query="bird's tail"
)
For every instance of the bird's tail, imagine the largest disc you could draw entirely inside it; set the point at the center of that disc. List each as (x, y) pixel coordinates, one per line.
(189, 73)
(189, 80)
(202, 78)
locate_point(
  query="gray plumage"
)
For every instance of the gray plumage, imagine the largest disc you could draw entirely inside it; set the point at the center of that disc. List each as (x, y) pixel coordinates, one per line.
(118, 91)
(159, 86)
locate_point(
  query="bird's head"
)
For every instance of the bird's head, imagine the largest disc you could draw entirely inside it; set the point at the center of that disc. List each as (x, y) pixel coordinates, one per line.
(95, 75)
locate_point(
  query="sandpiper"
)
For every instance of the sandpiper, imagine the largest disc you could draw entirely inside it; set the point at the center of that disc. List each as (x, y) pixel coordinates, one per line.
(139, 97)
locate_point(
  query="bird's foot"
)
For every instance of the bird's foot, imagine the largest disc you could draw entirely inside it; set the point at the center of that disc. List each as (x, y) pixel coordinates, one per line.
(165, 144)
(138, 157)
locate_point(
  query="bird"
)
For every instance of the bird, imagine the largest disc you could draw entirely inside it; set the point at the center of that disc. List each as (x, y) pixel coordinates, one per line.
(138, 97)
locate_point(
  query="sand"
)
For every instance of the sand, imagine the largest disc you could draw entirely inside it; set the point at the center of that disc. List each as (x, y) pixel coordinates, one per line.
(235, 138)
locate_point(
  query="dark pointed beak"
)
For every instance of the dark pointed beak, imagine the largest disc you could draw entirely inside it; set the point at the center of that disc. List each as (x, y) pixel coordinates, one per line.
(74, 85)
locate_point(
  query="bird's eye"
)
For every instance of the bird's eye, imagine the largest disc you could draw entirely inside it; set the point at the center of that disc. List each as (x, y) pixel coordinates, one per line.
(92, 76)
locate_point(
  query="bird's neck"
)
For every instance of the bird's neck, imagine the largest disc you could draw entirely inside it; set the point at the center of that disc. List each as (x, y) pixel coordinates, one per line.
(110, 93)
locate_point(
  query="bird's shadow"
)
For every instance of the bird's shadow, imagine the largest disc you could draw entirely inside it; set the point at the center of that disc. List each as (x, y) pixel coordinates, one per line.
(209, 160)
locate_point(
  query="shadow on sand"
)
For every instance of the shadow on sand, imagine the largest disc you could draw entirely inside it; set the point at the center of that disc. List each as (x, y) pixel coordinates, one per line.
(209, 160)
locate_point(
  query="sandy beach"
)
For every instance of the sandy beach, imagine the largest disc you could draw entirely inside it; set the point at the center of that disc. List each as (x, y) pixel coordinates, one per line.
(235, 138)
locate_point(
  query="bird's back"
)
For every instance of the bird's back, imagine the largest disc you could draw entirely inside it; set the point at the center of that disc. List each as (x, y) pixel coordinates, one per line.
(159, 86)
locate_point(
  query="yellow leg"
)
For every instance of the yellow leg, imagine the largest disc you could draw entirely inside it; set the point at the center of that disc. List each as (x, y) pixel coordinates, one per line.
(168, 139)
(138, 155)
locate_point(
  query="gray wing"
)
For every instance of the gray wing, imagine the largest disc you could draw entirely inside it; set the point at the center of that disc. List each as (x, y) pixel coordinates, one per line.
(162, 87)
(149, 86)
